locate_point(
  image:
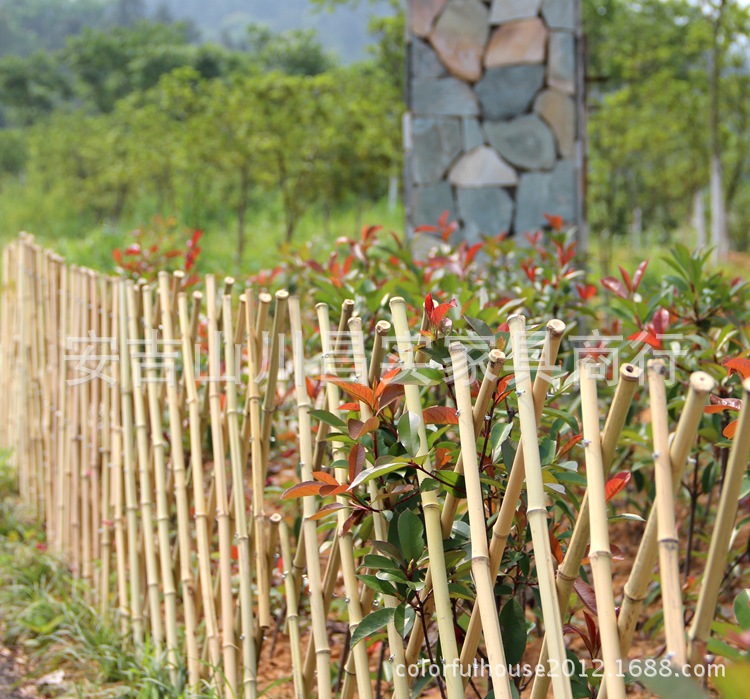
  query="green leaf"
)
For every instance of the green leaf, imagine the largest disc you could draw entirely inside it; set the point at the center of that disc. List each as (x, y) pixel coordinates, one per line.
(404, 619)
(371, 624)
(513, 627)
(742, 609)
(328, 418)
(411, 535)
(408, 432)
(384, 586)
(367, 474)
(670, 686)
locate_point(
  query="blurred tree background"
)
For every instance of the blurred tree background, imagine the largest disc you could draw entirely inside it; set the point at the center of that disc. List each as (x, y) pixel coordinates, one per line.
(239, 118)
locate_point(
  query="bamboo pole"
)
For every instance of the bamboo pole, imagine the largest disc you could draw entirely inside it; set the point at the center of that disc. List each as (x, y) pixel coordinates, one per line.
(700, 628)
(229, 648)
(142, 451)
(63, 416)
(84, 396)
(319, 635)
(504, 521)
(480, 555)
(76, 450)
(431, 509)
(249, 662)
(96, 417)
(345, 538)
(199, 497)
(634, 592)
(177, 456)
(158, 446)
(105, 532)
(261, 321)
(537, 510)
(569, 569)
(600, 553)
(382, 329)
(669, 544)
(129, 463)
(292, 611)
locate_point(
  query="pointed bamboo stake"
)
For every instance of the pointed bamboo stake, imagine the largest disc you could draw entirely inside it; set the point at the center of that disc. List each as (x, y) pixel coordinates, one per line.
(96, 408)
(669, 544)
(199, 496)
(345, 538)
(84, 396)
(249, 662)
(319, 635)
(537, 510)
(504, 521)
(700, 628)
(600, 554)
(569, 569)
(158, 445)
(142, 450)
(382, 329)
(129, 468)
(261, 321)
(431, 509)
(292, 611)
(480, 555)
(63, 416)
(220, 493)
(177, 455)
(105, 532)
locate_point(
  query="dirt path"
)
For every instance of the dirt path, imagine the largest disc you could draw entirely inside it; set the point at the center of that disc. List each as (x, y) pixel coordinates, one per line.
(9, 679)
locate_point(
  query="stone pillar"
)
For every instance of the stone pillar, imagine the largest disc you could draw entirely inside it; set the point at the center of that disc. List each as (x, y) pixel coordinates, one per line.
(492, 130)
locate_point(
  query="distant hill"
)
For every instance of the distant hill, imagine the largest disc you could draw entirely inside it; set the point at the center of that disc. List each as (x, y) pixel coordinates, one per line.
(343, 31)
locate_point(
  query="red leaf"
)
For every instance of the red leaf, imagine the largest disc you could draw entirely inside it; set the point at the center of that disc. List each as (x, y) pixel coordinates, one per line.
(720, 404)
(626, 278)
(557, 551)
(471, 253)
(324, 477)
(661, 321)
(615, 484)
(301, 490)
(235, 554)
(440, 415)
(117, 255)
(355, 390)
(426, 229)
(327, 490)
(390, 395)
(327, 510)
(442, 457)
(356, 461)
(569, 445)
(348, 407)
(134, 249)
(386, 380)
(586, 593)
(738, 365)
(730, 429)
(638, 276)
(615, 286)
(586, 292)
(555, 222)
(428, 305)
(648, 337)
(441, 310)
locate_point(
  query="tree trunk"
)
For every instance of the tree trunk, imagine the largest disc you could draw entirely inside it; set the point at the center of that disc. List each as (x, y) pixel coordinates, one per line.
(699, 219)
(719, 238)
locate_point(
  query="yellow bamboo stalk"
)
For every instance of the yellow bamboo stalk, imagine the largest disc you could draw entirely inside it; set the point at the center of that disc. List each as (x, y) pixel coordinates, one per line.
(382, 329)
(96, 417)
(220, 490)
(569, 569)
(199, 496)
(261, 321)
(600, 553)
(319, 635)
(537, 510)
(669, 544)
(63, 416)
(105, 532)
(129, 467)
(480, 555)
(700, 628)
(431, 509)
(134, 341)
(292, 610)
(504, 521)
(84, 396)
(249, 661)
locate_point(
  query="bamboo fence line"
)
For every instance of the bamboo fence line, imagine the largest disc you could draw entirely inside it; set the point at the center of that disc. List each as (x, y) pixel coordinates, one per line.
(144, 446)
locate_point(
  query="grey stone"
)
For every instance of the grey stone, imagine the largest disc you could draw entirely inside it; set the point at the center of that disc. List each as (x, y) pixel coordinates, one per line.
(435, 145)
(424, 61)
(526, 142)
(484, 211)
(509, 10)
(459, 37)
(559, 14)
(429, 202)
(559, 111)
(507, 92)
(561, 62)
(542, 193)
(482, 167)
(443, 97)
(472, 133)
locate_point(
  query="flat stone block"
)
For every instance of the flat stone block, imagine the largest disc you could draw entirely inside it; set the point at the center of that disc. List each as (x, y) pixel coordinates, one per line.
(542, 193)
(482, 167)
(422, 14)
(517, 43)
(559, 112)
(561, 64)
(484, 211)
(429, 202)
(436, 143)
(459, 38)
(526, 142)
(507, 92)
(510, 10)
(424, 61)
(443, 97)
(472, 134)
(559, 14)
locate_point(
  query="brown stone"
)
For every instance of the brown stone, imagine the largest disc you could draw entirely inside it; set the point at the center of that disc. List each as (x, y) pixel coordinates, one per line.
(517, 43)
(559, 111)
(459, 38)
(423, 14)
(509, 10)
(482, 167)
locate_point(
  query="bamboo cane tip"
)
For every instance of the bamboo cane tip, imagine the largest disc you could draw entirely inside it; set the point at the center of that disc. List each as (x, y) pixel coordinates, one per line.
(518, 318)
(348, 303)
(397, 301)
(320, 306)
(383, 327)
(457, 348)
(556, 327)
(746, 386)
(657, 366)
(228, 281)
(496, 356)
(275, 518)
(265, 297)
(630, 372)
(355, 322)
(178, 273)
(198, 295)
(282, 295)
(701, 382)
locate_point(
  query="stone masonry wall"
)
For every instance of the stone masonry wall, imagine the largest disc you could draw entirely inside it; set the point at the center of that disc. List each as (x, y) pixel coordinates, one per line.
(491, 133)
